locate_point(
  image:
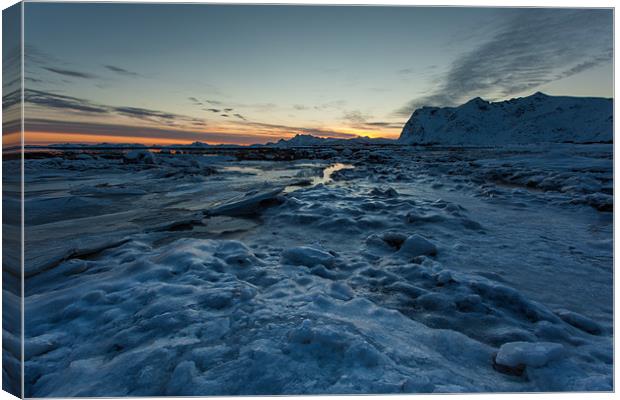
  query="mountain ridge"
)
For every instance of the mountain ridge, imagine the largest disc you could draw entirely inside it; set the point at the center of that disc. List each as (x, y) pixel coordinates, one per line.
(538, 118)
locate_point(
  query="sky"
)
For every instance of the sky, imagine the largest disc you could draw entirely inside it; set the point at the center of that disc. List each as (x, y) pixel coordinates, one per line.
(179, 73)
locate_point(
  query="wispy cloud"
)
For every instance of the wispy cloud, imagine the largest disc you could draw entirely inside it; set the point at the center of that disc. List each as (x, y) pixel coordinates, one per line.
(52, 100)
(69, 103)
(405, 71)
(534, 47)
(33, 80)
(143, 113)
(586, 65)
(195, 101)
(228, 107)
(356, 117)
(71, 73)
(35, 56)
(43, 60)
(11, 99)
(169, 123)
(359, 120)
(121, 71)
(335, 104)
(384, 124)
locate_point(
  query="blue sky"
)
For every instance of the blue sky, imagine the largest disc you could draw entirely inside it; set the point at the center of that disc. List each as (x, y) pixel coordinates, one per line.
(247, 74)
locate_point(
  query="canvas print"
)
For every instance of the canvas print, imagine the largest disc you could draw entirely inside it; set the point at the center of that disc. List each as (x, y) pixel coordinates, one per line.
(227, 199)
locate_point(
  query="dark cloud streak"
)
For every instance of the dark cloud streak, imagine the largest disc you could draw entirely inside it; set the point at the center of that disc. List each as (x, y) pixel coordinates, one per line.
(71, 73)
(361, 121)
(69, 103)
(143, 113)
(195, 101)
(52, 100)
(532, 48)
(122, 71)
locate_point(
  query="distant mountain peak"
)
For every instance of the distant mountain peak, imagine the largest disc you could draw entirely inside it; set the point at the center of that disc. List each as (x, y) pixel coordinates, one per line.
(531, 119)
(477, 100)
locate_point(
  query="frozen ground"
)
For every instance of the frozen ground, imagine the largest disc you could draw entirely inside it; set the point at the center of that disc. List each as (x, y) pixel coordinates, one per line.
(397, 270)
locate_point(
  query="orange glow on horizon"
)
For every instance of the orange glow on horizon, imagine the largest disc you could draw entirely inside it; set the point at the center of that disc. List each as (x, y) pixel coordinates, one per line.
(43, 138)
(370, 134)
(46, 138)
(11, 139)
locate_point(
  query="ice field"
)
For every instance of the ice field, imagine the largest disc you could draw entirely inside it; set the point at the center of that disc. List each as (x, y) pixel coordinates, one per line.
(361, 269)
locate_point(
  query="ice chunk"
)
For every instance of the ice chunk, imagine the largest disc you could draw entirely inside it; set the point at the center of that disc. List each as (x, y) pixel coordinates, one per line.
(182, 378)
(444, 277)
(416, 245)
(579, 321)
(40, 345)
(304, 334)
(434, 301)
(537, 354)
(393, 240)
(307, 256)
(248, 204)
(216, 300)
(341, 291)
(363, 354)
(235, 252)
(414, 217)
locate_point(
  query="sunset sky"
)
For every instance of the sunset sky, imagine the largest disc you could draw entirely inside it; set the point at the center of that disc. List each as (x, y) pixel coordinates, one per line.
(252, 74)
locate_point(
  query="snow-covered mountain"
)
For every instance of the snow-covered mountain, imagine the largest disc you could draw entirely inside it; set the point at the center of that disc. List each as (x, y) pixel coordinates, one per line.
(534, 119)
(301, 140)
